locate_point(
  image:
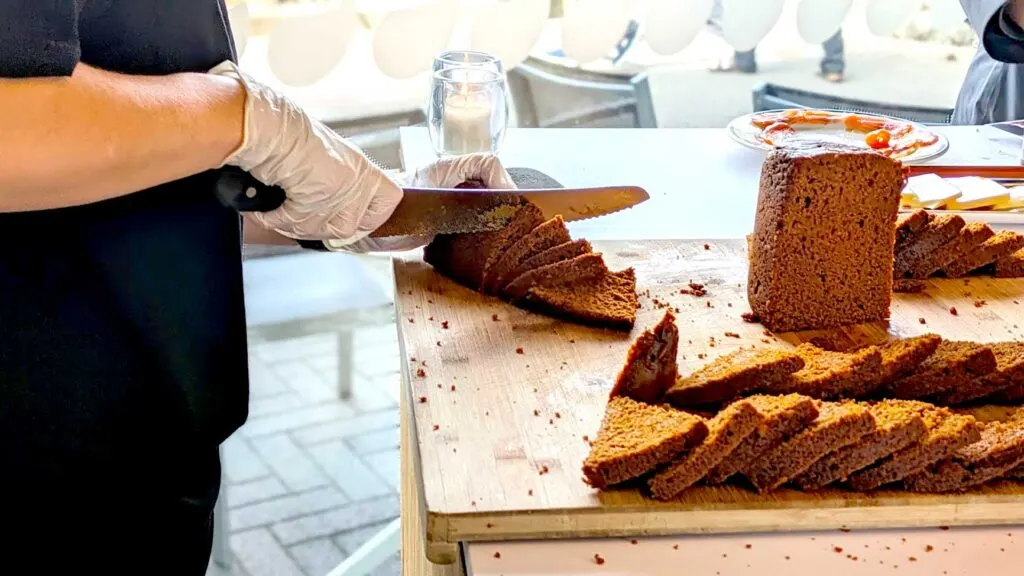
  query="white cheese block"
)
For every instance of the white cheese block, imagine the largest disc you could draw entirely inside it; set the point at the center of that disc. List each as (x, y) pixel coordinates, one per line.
(977, 193)
(928, 191)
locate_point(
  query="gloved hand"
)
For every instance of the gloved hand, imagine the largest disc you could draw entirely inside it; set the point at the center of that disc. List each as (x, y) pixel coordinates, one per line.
(485, 169)
(333, 190)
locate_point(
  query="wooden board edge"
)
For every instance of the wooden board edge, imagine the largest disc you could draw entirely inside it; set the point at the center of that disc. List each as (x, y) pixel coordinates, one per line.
(677, 522)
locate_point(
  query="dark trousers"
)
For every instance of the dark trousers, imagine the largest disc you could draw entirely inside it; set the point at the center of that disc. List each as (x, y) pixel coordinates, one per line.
(834, 61)
(138, 520)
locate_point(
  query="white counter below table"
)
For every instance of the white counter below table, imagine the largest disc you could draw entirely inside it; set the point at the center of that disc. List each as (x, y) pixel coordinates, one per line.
(703, 185)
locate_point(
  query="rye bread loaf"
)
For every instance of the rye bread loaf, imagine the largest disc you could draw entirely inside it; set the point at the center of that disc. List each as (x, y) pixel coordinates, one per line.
(823, 237)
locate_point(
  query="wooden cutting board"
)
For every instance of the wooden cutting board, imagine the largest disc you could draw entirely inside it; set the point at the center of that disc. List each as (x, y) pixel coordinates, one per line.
(503, 399)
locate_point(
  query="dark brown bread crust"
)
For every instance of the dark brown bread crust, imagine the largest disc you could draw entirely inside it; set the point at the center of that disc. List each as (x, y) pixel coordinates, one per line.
(970, 237)
(525, 220)
(784, 416)
(578, 270)
(823, 238)
(547, 235)
(566, 251)
(610, 302)
(939, 231)
(1011, 266)
(829, 375)
(725, 431)
(898, 424)
(1009, 372)
(651, 364)
(838, 425)
(732, 375)
(947, 433)
(1002, 244)
(636, 437)
(909, 225)
(953, 365)
(1000, 450)
(461, 257)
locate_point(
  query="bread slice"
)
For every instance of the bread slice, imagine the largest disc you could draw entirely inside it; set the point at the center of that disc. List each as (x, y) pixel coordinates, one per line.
(823, 237)
(1000, 450)
(909, 226)
(635, 437)
(898, 424)
(1011, 266)
(466, 257)
(547, 235)
(608, 302)
(784, 416)
(947, 433)
(725, 432)
(829, 375)
(732, 375)
(651, 363)
(1002, 244)
(953, 365)
(939, 231)
(564, 251)
(963, 244)
(581, 269)
(1009, 372)
(902, 356)
(837, 425)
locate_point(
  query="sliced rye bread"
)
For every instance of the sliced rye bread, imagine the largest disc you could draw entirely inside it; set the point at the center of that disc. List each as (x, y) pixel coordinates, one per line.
(564, 251)
(1011, 266)
(898, 424)
(909, 226)
(963, 244)
(525, 220)
(585, 268)
(947, 433)
(784, 416)
(732, 375)
(953, 365)
(636, 437)
(547, 235)
(610, 301)
(1000, 450)
(938, 231)
(1009, 372)
(725, 432)
(902, 356)
(830, 375)
(1002, 244)
(651, 363)
(838, 424)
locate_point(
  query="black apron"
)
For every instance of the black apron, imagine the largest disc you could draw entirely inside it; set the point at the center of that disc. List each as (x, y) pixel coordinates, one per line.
(122, 327)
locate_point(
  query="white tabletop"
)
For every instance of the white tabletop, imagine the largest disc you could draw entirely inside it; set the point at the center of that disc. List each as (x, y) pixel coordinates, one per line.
(702, 184)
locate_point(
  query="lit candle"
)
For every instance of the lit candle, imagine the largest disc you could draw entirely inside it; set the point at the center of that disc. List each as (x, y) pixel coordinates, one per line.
(467, 123)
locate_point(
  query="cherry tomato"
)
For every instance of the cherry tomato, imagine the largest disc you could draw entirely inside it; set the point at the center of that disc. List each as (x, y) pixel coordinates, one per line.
(878, 139)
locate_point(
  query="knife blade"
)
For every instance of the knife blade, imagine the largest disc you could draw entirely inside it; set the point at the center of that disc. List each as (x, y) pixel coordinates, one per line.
(429, 211)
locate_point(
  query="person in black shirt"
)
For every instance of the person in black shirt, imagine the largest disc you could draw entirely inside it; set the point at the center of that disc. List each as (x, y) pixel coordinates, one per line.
(122, 324)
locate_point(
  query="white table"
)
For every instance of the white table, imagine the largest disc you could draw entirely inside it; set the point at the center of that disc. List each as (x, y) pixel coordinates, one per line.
(702, 185)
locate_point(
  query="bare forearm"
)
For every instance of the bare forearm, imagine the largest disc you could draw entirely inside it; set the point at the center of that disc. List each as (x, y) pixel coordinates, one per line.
(256, 234)
(1015, 10)
(97, 134)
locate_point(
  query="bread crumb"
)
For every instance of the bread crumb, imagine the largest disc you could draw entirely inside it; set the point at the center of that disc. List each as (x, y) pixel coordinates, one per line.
(952, 310)
(494, 317)
(529, 492)
(912, 559)
(519, 350)
(421, 373)
(633, 542)
(411, 321)
(921, 320)
(489, 525)
(929, 548)
(430, 318)
(558, 415)
(750, 318)
(732, 335)
(453, 387)
(709, 304)
(707, 247)
(837, 550)
(979, 303)
(675, 546)
(748, 546)
(598, 559)
(444, 324)
(586, 438)
(497, 554)
(423, 399)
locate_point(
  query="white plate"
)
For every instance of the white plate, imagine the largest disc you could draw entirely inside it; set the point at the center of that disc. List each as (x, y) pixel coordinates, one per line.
(743, 131)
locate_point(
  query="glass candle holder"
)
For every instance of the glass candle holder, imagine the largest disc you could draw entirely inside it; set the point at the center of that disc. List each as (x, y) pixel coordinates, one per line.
(468, 110)
(467, 59)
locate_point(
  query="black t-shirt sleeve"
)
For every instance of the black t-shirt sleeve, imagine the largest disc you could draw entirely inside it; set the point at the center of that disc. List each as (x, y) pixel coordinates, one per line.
(39, 37)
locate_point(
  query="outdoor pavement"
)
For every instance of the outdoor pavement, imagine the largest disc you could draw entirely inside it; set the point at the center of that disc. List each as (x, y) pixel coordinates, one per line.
(309, 477)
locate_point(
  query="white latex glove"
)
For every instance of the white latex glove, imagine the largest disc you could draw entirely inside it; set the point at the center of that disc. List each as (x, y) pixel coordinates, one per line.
(333, 190)
(485, 169)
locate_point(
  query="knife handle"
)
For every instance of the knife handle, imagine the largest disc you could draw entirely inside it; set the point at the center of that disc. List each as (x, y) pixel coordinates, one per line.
(238, 189)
